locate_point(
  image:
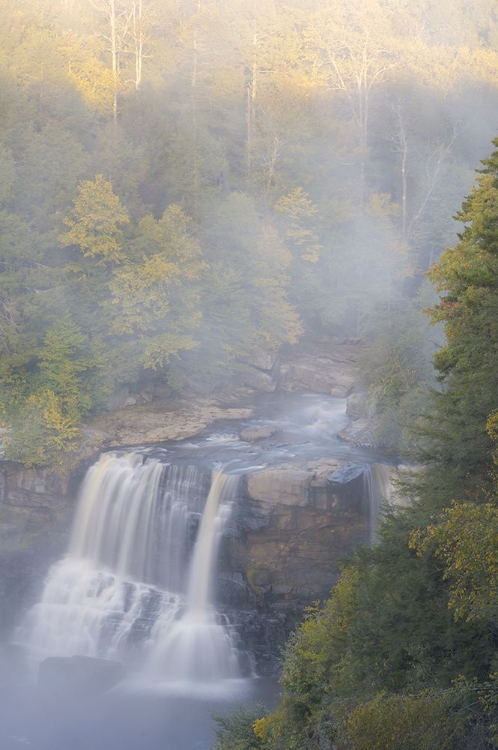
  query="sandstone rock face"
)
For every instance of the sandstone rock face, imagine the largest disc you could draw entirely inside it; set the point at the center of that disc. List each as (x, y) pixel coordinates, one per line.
(317, 374)
(280, 485)
(326, 368)
(33, 501)
(35, 517)
(310, 523)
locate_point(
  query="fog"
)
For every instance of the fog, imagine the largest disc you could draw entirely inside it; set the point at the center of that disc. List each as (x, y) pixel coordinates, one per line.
(185, 184)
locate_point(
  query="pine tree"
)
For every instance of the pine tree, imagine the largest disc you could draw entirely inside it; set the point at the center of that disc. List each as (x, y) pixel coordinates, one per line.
(460, 451)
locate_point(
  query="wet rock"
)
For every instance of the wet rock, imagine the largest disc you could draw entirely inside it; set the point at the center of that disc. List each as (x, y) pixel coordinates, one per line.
(258, 433)
(346, 474)
(320, 469)
(360, 433)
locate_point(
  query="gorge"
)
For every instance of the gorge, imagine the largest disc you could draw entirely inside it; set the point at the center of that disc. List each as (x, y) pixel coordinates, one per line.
(190, 562)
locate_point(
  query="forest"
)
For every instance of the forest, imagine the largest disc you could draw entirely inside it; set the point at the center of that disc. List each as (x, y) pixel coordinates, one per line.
(185, 182)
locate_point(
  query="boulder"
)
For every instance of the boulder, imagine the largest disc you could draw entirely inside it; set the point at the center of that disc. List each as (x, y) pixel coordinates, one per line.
(321, 468)
(258, 433)
(346, 473)
(262, 359)
(317, 374)
(257, 379)
(360, 433)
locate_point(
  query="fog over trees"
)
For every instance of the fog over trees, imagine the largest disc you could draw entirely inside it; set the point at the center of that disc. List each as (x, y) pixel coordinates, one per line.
(189, 181)
(186, 182)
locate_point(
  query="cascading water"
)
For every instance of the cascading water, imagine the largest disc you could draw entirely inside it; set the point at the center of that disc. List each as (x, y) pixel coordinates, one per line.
(198, 646)
(377, 481)
(127, 581)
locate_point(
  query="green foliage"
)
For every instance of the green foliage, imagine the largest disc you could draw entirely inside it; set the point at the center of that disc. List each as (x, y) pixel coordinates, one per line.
(397, 374)
(466, 539)
(443, 719)
(225, 183)
(236, 730)
(459, 448)
(383, 654)
(44, 410)
(96, 221)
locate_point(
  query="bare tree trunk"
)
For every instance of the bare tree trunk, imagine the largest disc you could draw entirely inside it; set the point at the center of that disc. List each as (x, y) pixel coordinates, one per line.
(400, 141)
(138, 21)
(251, 92)
(433, 168)
(114, 58)
(113, 15)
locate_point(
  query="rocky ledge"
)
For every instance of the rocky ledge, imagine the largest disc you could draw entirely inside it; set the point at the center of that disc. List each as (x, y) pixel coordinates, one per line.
(170, 420)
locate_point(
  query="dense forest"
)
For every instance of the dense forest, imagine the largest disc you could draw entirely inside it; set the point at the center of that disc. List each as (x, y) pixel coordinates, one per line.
(183, 183)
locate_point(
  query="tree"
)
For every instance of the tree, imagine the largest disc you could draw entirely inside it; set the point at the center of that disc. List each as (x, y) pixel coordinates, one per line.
(236, 730)
(44, 409)
(96, 222)
(114, 13)
(154, 294)
(354, 59)
(460, 451)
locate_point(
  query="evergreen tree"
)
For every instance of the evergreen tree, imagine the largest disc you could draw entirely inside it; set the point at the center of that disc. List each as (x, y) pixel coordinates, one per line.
(460, 451)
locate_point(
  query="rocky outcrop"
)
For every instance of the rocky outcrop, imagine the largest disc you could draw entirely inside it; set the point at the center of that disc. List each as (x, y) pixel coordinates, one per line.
(327, 366)
(360, 433)
(281, 485)
(259, 380)
(317, 374)
(35, 517)
(34, 503)
(164, 421)
(304, 520)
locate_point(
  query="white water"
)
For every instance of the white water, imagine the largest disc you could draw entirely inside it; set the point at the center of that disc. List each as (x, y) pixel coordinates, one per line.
(127, 584)
(378, 491)
(198, 646)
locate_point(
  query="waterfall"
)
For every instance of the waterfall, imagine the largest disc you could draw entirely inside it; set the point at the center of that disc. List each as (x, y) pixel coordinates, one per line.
(377, 480)
(198, 647)
(133, 579)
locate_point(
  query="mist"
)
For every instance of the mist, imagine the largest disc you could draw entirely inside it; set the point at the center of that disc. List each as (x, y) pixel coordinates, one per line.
(189, 188)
